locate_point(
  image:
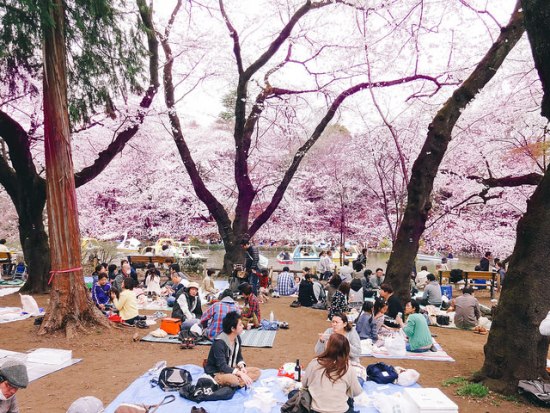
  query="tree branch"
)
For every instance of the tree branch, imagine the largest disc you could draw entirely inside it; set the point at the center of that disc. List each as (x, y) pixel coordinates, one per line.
(106, 156)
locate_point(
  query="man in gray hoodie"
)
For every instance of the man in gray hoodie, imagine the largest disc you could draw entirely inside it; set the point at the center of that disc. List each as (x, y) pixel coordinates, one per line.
(225, 360)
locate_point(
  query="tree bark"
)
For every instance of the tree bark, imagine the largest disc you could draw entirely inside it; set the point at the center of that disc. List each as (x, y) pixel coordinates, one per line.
(515, 349)
(27, 189)
(69, 306)
(427, 163)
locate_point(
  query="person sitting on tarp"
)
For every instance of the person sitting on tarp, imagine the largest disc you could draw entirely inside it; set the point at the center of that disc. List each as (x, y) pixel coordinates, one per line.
(466, 308)
(225, 361)
(13, 376)
(416, 329)
(188, 306)
(212, 319)
(251, 310)
(101, 292)
(432, 292)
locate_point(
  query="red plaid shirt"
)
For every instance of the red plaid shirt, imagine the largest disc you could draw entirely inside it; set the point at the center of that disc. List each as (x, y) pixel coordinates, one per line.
(254, 305)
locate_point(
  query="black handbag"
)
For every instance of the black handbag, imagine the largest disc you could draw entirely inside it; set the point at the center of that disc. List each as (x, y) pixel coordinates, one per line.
(206, 390)
(172, 379)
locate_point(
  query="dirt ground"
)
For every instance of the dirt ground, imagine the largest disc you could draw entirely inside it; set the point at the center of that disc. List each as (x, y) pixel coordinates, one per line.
(112, 360)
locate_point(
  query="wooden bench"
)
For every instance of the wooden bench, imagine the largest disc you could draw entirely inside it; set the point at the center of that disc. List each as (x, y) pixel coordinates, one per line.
(141, 261)
(492, 279)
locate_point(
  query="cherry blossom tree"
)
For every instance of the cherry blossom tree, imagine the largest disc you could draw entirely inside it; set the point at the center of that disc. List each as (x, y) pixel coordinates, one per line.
(515, 349)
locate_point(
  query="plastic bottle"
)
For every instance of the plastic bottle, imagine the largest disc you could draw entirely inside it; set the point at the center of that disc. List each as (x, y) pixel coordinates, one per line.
(271, 317)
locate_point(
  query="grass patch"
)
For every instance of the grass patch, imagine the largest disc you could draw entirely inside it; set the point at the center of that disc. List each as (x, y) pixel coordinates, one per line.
(453, 380)
(473, 390)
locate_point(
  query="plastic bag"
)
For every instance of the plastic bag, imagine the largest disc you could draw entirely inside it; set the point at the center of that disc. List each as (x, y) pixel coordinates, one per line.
(395, 345)
(407, 377)
(544, 327)
(29, 305)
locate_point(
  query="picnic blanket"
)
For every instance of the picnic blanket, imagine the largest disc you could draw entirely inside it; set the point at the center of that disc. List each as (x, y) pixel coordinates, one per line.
(36, 370)
(11, 283)
(9, 314)
(272, 397)
(8, 290)
(382, 353)
(250, 338)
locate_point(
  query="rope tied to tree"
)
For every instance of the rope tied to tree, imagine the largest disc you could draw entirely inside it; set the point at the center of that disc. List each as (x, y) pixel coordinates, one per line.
(53, 272)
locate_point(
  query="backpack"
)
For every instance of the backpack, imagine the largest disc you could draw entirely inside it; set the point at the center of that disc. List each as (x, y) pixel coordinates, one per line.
(206, 390)
(381, 373)
(172, 379)
(536, 391)
(456, 275)
(442, 320)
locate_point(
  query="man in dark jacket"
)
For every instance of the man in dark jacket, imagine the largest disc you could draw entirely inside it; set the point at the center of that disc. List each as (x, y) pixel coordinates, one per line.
(252, 264)
(306, 295)
(225, 360)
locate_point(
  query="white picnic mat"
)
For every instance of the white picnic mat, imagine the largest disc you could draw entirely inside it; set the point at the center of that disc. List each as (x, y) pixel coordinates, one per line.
(36, 370)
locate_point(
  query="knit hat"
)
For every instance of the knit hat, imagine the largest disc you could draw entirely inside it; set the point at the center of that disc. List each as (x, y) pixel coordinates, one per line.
(193, 285)
(88, 404)
(15, 373)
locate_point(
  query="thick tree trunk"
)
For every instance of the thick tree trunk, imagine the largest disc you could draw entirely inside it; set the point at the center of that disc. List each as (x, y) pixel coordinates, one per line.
(36, 248)
(425, 167)
(515, 349)
(69, 306)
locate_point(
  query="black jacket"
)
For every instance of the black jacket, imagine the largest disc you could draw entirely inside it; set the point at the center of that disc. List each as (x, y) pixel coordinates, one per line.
(178, 313)
(306, 296)
(218, 360)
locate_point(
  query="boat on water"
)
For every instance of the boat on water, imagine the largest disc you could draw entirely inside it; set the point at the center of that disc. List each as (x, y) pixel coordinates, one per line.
(305, 252)
(351, 252)
(128, 245)
(285, 258)
(434, 257)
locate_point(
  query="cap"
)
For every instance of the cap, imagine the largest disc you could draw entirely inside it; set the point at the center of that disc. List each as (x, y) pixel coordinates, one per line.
(193, 285)
(15, 373)
(88, 404)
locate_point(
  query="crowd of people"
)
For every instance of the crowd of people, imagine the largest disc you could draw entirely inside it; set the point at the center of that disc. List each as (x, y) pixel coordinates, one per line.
(335, 376)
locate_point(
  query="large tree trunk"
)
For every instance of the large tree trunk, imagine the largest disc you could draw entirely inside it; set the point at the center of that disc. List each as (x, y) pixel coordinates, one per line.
(69, 303)
(34, 241)
(515, 349)
(427, 163)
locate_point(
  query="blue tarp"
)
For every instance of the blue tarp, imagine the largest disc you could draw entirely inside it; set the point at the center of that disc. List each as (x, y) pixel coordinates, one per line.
(141, 392)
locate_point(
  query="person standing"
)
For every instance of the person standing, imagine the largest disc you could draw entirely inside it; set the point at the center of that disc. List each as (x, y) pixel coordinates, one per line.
(13, 376)
(325, 265)
(251, 265)
(225, 361)
(485, 261)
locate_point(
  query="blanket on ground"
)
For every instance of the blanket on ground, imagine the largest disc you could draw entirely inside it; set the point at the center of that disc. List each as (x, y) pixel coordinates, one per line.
(382, 353)
(264, 396)
(250, 338)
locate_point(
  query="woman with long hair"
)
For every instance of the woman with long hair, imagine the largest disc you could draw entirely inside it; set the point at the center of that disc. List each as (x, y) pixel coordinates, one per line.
(330, 380)
(371, 319)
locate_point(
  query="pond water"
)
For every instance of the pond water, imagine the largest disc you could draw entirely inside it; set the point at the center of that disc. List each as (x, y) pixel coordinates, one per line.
(375, 260)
